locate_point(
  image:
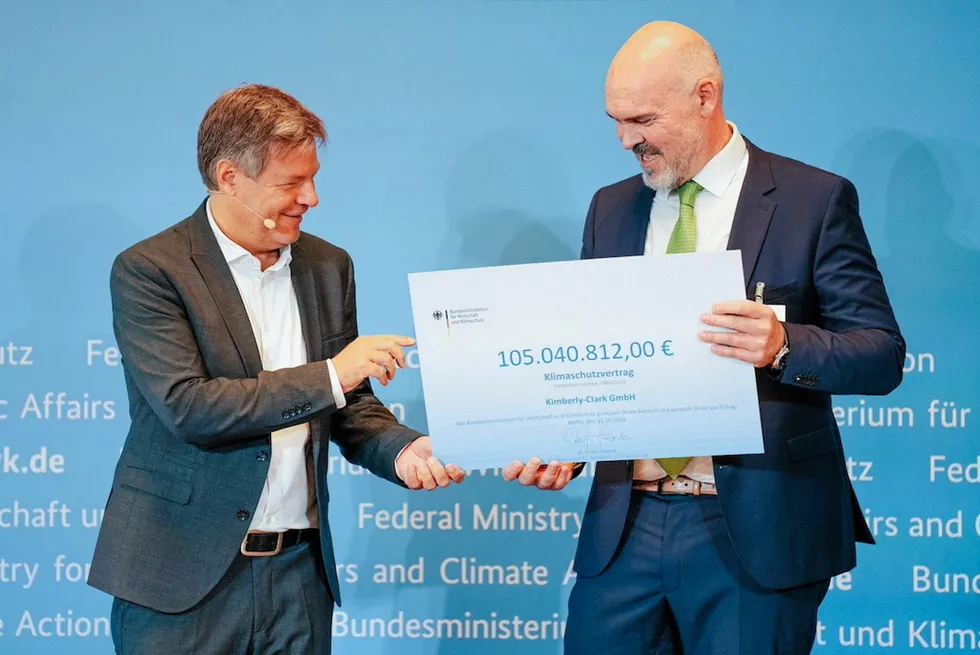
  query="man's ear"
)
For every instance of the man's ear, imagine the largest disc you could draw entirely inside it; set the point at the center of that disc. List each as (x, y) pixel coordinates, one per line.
(228, 176)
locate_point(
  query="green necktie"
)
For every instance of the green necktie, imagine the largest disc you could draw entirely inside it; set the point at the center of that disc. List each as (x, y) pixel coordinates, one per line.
(684, 238)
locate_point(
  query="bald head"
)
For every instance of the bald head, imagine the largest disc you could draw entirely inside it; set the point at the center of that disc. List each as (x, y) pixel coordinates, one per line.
(661, 56)
(664, 89)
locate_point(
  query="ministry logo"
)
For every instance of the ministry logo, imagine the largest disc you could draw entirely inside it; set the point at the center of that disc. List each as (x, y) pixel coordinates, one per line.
(439, 315)
(469, 317)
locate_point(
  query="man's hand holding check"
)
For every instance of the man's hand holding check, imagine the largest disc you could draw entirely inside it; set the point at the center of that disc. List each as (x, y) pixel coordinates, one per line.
(752, 333)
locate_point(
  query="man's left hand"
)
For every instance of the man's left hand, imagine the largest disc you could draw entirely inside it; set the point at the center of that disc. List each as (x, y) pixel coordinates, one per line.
(419, 469)
(757, 334)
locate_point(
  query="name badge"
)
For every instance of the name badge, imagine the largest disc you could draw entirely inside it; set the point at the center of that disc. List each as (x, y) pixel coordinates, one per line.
(780, 311)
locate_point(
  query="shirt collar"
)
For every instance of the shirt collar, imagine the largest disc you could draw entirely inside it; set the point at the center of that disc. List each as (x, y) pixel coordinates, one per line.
(718, 173)
(233, 252)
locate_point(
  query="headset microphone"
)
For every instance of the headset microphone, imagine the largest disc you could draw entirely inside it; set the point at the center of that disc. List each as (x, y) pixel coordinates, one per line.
(268, 222)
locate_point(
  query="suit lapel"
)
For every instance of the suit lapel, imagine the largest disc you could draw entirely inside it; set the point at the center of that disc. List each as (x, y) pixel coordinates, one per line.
(753, 211)
(307, 299)
(301, 272)
(636, 221)
(214, 269)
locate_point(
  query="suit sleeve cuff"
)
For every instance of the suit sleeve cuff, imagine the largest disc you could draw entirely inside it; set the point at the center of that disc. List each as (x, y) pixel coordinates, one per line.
(338, 391)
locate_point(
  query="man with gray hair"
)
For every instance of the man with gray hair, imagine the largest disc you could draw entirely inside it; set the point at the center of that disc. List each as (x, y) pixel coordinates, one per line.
(242, 360)
(729, 554)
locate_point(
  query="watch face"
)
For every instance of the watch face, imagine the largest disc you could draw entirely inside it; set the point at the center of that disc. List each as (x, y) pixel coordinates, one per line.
(780, 359)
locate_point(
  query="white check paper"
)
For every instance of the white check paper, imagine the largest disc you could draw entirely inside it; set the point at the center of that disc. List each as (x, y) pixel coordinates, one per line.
(582, 361)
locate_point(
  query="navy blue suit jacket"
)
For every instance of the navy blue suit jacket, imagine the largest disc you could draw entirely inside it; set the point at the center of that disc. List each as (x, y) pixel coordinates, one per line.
(791, 512)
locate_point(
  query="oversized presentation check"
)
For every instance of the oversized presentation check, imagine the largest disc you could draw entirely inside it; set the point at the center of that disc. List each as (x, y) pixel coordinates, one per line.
(586, 360)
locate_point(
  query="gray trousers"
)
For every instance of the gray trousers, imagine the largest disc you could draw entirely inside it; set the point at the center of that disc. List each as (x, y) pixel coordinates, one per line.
(263, 605)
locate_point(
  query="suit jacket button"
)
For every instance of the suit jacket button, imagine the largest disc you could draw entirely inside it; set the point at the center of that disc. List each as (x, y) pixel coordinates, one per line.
(262, 456)
(242, 515)
(307, 407)
(285, 414)
(297, 410)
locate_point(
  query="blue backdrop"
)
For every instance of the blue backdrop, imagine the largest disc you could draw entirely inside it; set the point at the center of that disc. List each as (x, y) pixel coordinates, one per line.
(473, 133)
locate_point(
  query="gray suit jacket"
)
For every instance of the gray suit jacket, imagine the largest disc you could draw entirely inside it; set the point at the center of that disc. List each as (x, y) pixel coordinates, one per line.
(202, 409)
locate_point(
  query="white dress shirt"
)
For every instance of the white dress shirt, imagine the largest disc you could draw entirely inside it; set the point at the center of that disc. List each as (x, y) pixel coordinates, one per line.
(714, 208)
(270, 302)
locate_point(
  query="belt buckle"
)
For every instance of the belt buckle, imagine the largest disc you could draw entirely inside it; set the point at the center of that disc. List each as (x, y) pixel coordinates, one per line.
(258, 553)
(680, 486)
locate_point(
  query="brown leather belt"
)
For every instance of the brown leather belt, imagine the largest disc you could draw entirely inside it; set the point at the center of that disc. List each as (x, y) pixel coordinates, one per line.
(676, 486)
(267, 544)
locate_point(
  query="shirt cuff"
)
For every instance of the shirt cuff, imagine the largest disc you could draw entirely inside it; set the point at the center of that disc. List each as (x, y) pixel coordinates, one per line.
(338, 391)
(397, 475)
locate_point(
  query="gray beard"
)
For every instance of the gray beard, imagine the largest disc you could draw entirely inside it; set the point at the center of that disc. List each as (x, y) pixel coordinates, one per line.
(670, 177)
(666, 180)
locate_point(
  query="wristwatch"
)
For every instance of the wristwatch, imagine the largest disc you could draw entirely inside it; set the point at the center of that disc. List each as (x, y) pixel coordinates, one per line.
(779, 361)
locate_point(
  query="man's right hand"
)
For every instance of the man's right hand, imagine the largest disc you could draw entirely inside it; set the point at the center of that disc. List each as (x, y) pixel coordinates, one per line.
(370, 356)
(553, 477)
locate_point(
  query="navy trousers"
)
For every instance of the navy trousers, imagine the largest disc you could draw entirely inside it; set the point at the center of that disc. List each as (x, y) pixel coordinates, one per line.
(675, 586)
(263, 605)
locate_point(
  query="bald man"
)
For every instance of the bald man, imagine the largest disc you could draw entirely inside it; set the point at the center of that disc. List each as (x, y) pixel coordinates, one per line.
(729, 554)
